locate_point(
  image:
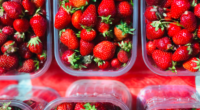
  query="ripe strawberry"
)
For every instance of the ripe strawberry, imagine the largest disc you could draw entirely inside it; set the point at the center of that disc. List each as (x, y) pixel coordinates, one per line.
(162, 59)
(123, 56)
(38, 3)
(89, 16)
(173, 29)
(79, 106)
(19, 37)
(29, 7)
(8, 30)
(153, 2)
(122, 31)
(39, 25)
(124, 9)
(24, 51)
(78, 3)
(105, 50)
(29, 66)
(9, 47)
(167, 16)
(42, 57)
(192, 64)
(197, 10)
(88, 34)
(98, 106)
(178, 7)
(102, 64)
(125, 45)
(189, 21)
(86, 47)
(167, 3)
(182, 37)
(21, 25)
(65, 106)
(9, 61)
(150, 46)
(69, 39)
(150, 13)
(155, 30)
(182, 53)
(106, 8)
(104, 26)
(195, 48)
(115, 63)
(35, 45)
(3, 38)
(6, 20)
(2, 71)
(198, 32)
(68, 56)
(163, 44)
(76, 18)
(13, 9)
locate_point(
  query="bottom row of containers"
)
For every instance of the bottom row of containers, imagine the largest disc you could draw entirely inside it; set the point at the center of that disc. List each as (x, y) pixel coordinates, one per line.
(107, 94)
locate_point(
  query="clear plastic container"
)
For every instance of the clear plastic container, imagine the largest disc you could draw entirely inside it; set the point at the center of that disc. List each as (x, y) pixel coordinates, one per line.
(167, 97)
(149, 61)
(111, 73)
(96, 91)
(41, 95)
(14, 75)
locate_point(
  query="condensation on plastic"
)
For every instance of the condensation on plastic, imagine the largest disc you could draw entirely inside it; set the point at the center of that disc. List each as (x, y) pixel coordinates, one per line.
(42, 95)
(167, 97)
(100, 73)
(20, 76)
(96, 91)
(148, 60)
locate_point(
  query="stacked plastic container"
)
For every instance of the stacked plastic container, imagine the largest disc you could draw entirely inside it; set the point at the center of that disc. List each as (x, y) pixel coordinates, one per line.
(96, 91)
(168, 97)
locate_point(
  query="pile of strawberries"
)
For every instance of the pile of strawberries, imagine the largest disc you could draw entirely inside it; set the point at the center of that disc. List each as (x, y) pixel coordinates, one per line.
(173, 33)
(97, 31)
(87, 106)
(23, 27)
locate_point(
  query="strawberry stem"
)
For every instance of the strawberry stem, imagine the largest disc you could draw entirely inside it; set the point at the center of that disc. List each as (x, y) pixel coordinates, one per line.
(107, 20)
(6, 106)
(125, 28)
(87, 106)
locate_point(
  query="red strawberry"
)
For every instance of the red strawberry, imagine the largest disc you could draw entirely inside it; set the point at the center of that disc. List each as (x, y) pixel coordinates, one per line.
(197, 10)
(24, 51)
(189, 21)
(9, 47)
(124, 9)
(104, 27)
(9, 61)
(167, 3)
(2, 71)
(105, 50)
(38, 3)
(106, 8)
(13, 9)
(42, 57)
(104, 65)
(29, 7)
(99, 106)
(150, 46)
(167, 16)
(195, 48)
(89, 16)
(182, 53)
(150, 13)
(178, 7)
(192, 64)
(162, 59)
(123, 56)
(8, 30)
(79, 106)
(68, 56)
(153, 2)
(6, 20)
(182, 37)
(198, 32)
(88, 34)
(86, 47)
(39, 25)
(65, 106)
(3, 38)
(21, 25)
(69, 39)
(115, 63)
(76, 18)
(154, 30)
(163, 43)
(78, 3)
(28, 66)
(35, 45)
(19, 37)
(173, 29)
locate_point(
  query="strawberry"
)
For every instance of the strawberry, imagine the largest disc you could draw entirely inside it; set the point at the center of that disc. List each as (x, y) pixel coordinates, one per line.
(182, 37)
(154, 30)
(89, 16)
(198, 32)
(153, 2)
(19, 37)
(2, 71)
(150, 13)
(122, 31)
(42, 57)
(78, 3)
(173, 29)
(69, 39)
(68, 56)
(102, 64)
(8, 30)
(195, 48)
(21, 25)
(6, 20)
(24, 51)
(197, 10)
(79, 106)
(192, 64)
(76, 18)
(163, 44)
(189, 21)
(86, 47)
(178, 7)
(105, 50)
(123, 56)
(167, 16)
(125, 45)
(35, 45)
(167, 3)
(38, 3)
(88, 34)
(182, 53)
(3, 38)
(29, 7)
(124, 9)
(115, 63)
(9, 47)
(29, 66)
(106, 8)
(150, 47)
(9, 61)
(162, 59)
(103, 26)
(98, 106)
(65, 106)
(39, 25)
(13, 9)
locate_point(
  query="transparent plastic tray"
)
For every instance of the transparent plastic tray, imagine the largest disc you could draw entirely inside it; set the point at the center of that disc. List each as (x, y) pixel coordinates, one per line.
(96, 91)
(111, 73)
(20, 76)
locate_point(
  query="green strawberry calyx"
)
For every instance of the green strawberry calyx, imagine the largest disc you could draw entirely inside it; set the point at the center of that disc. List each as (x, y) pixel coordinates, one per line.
(99, 61)
(125, 28)
(158, 25)
(125, 46)
(108, 33)
(37, 65)
(87, 106)
(189, 48)
(44, 54)
(75, 61)
(6, 106)
(197, 63)
(173, 68)
(194, 3)
(34, 41)
(1, 11)
(107, 20)
(20, 35)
